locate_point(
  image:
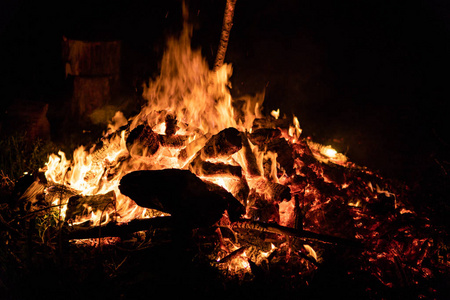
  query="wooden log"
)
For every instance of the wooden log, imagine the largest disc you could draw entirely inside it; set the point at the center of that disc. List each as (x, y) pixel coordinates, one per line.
(79, 207)
(241, 191)
(143, 141)
(263, 136)
(173, 141)
(302, 234)
(223, 144)
(171, 125)
(117, 230)
(182, 194)
(193, 147)
(250, 159)
(262, 209)
(273, 190)
(270, 123)
(205, 168)
(284, 154)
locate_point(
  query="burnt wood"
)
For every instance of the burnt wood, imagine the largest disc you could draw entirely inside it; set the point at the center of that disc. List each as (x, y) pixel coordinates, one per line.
(182, 194)
(250, 159)
(143, 141)
(82, 206)
(262, 136)
(223, 144)
(205, 168)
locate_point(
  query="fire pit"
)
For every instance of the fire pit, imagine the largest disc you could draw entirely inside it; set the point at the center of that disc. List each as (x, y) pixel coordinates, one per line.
(202, 194)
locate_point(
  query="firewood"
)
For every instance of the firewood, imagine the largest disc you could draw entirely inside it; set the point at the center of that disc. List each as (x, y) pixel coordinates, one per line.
(143, 141)
(284, 154)
(58, 191)
(241, 190)
(270, 123)
(250, 159)
(263, 136)
(222, 144)
(262, 209)
(273, 190)
(193, 147)
(171, 125)
(205, 168)
(115, 229)
(173, 141)
(82, 206)
(182, 194)
(245, 224)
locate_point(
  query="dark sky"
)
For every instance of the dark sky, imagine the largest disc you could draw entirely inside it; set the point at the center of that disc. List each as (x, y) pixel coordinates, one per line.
(370, 74)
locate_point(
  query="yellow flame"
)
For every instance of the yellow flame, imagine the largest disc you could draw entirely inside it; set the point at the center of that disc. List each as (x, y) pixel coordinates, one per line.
(275, 113)
(310, 251)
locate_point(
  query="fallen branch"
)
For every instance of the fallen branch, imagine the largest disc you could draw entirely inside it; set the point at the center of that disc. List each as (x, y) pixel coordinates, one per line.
(116, 229)
(301, 234)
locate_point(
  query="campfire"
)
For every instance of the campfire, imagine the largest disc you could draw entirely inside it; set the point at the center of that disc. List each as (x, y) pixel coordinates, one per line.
(243, 193)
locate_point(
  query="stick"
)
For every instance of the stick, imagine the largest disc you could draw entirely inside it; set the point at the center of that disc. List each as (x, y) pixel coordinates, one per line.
(303, 234)
(114, 229)
(225, 36)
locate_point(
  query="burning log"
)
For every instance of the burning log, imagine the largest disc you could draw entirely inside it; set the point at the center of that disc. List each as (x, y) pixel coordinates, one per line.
(143, 141)
(81, 206)
(193, 147)
(273, 190)
(172, 141)
(265, 123)
(250, 159)
(241, 190)
(223, 144)
(114, 229)
(301, 234)
(263, 136)
(171, 125)
(205, 168)
(284, 154)
(186, 197)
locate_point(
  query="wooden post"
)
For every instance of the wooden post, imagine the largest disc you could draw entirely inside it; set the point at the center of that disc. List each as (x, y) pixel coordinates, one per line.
(225, 36)
(95, 67)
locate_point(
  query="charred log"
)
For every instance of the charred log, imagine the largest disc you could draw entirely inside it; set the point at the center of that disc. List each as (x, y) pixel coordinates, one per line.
(273, 190)
(143, 141)
(222, 144)
(82, 206)
(118, 230)
(271, 123)
(193, 147)
(182, 194)
(241, 190)
(250, 159)
(284, 154)
(263, 136)
(171, 125)
(301, 234)
(173, 141)
(204, 168)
